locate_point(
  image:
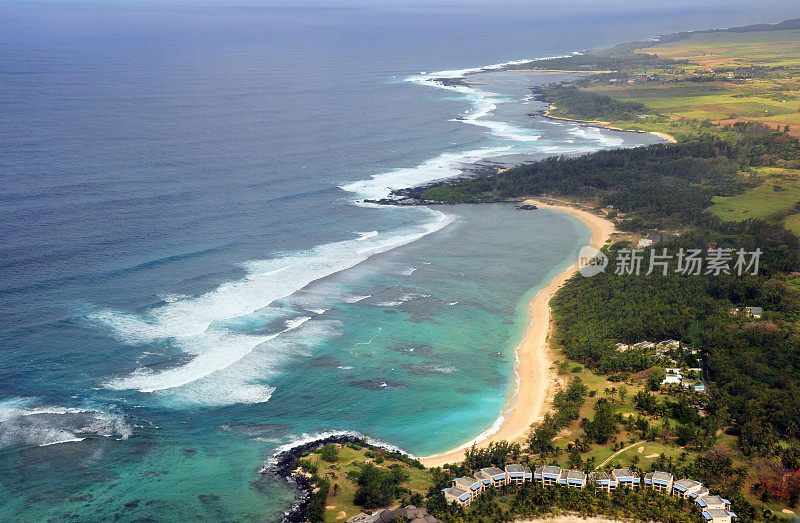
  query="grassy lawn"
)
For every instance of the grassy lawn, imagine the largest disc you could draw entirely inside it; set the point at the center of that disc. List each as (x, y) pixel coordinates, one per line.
(713, 50)
(720, 77)
(348, 460)
(779, 191)
(600, 384)
(793, 223)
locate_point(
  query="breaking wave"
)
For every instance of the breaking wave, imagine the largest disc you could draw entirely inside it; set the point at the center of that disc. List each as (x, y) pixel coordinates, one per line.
(24, 421)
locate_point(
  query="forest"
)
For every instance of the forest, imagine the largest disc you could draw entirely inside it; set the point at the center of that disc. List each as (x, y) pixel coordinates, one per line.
(664, 185)
(752, 365)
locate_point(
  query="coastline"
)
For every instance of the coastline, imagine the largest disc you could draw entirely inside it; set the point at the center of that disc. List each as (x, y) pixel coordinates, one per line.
(607, 125)
(534, 389)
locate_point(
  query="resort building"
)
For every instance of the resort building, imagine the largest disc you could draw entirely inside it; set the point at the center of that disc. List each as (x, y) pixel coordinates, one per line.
(573, 479)
(713, 502)
(625, 478)
(755, 312)
(551, 475)
(699, 493)
(664, 347)
(485, 479)
(457, 496)
(622, 347)
(644, 345)
(497, 476)
(659, 481)
(717, 515)
(469, 484)
(673, 376)
(603, 481)
(686, 487)
(518, 474)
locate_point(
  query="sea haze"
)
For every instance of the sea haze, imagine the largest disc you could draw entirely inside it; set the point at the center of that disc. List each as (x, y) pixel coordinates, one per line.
(189, 280)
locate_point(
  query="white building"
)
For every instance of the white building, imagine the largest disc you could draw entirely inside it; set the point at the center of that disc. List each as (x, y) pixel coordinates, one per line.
(469, 484)
(518, 474)
(659, 481)
(497, 476)
(457, 496)
(603, 481)
(626, 478)
(716, 515)
(673, 376)
(573, 479)
(686, 487)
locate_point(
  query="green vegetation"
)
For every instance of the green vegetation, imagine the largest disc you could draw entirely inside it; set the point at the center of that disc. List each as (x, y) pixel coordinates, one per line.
(589, 106)
(722, 186)
(329, 452)
(664, 185)
(567, 405)
(528, 501)
(354, 478)
(378, 487)
(722, 76)
(776, 199)
(316, 505)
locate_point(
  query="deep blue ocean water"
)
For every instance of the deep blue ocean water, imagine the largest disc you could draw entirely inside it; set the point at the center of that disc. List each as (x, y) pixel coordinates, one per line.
(187, 281)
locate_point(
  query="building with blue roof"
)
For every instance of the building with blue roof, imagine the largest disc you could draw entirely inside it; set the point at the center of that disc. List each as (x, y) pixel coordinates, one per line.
(457, 496)
(717, 515)
(486, 479)
(659, 481)
(469, 484)
(603, 481)
(626, 478)
(686, 487)
(573, 479)
(518, 474)
(497, 476)
(551, 475)
(713, 502)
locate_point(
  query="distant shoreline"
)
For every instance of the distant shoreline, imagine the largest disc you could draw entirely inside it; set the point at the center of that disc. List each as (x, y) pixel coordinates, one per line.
(535, 382)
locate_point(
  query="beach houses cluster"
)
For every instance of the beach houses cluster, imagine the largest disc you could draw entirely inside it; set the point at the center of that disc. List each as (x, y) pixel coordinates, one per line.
(466, 489)
(714, 509)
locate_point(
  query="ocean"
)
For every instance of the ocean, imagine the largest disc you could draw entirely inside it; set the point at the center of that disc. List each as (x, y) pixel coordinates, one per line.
(189, 279)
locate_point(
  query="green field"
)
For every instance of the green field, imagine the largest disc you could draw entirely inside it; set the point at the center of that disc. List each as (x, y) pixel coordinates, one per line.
(721, 77)
(793, 223)
(778, 193)
(729, 49)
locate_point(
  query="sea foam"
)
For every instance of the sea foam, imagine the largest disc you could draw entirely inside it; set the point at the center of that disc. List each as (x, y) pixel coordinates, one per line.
(199, 325)
(26, 421)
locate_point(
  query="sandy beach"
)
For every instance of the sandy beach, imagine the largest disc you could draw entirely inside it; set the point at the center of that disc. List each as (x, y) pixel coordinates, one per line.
(531, 398)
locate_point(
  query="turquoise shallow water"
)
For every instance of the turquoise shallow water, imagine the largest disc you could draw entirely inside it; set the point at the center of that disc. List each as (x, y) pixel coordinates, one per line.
(423, 360)
(186, 284)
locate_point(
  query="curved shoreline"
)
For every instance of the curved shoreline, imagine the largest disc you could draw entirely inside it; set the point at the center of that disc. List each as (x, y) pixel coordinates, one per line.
(607, 125)
(530, 400)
